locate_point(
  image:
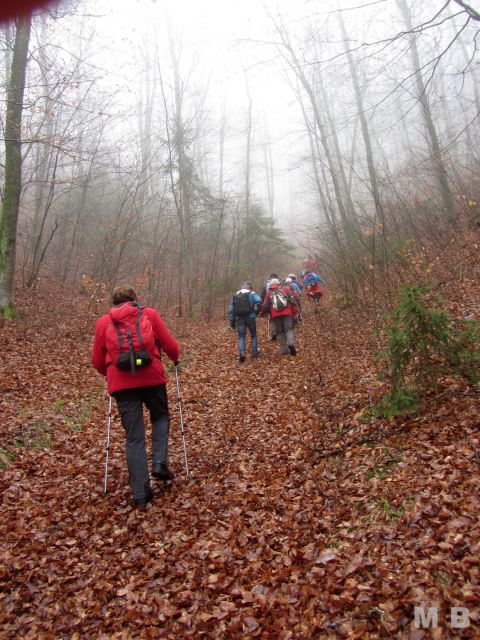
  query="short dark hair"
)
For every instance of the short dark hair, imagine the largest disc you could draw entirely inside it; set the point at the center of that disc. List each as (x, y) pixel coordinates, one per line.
(123, 293)
(274, 275)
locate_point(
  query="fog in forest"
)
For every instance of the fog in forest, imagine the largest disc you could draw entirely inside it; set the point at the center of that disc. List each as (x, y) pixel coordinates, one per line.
(185, 145)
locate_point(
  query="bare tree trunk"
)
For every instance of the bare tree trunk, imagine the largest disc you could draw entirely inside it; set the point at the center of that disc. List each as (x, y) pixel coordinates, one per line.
(323, 193)
(437, 158)
(184, 198)
(248, 152)
(288, 53)
(379, 212)
(222, 150)
(213, 266)
(346, 190)
(268, 162)
(38, 252)
(145, 132)
(13, 162)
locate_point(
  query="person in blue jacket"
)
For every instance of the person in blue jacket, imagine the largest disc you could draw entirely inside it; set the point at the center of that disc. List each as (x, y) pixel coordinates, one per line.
(296, 281)
(244, 307)
(311, 278)
(292, 281)
(313, 285)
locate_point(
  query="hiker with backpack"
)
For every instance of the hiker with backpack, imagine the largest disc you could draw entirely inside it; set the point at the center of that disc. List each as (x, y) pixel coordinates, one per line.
(272, 276)
(127, 350)
(297, 285)
(280, 303)
(313, 286)
(295, 289)
(243, 310)
(271, 325)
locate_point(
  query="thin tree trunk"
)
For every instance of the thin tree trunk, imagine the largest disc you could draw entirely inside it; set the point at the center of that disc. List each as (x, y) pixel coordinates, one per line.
(222, 150)
(268, 162)
(248, 151)
(437, 158)
(379, 212)
(347, 192)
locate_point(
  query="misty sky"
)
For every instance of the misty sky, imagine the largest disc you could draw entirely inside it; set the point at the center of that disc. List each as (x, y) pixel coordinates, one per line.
(225, 43)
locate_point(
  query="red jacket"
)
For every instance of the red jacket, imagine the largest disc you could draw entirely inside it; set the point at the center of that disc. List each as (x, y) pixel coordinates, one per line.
(291, 309)
(149, 376)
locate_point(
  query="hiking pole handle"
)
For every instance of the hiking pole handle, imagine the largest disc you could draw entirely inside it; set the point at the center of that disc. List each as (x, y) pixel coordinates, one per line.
(180, 411)
(107, 444)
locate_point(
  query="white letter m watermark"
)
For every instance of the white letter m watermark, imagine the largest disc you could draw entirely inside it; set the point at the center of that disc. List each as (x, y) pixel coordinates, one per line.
(425, 619)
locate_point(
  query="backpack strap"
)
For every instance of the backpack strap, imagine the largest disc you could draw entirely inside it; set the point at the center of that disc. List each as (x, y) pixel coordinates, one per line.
(119, 334)
(137, 327)
(129, 338)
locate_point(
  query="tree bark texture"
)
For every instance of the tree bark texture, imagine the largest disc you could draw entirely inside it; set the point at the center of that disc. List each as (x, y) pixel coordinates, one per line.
(13, 161)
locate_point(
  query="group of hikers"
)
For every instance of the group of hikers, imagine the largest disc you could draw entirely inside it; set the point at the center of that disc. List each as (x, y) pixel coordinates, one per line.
(280, 301)
(127, 350)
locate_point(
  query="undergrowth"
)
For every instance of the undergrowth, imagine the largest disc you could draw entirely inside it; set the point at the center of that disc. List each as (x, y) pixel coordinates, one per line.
(423, 344)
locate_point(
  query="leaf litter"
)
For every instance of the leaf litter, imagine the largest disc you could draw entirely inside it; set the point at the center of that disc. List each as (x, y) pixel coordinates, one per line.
(304, 516)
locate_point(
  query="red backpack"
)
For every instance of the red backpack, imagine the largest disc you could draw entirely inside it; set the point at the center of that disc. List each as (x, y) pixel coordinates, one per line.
(129, 337)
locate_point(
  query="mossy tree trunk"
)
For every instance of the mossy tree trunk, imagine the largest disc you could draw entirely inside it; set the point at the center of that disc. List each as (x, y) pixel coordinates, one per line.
(13, 163)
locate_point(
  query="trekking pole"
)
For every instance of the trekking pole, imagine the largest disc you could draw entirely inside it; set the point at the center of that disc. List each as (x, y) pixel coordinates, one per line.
(179, 398)
(107, 445)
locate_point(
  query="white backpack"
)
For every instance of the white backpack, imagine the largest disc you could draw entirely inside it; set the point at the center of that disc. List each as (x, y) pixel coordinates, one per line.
(279, 300)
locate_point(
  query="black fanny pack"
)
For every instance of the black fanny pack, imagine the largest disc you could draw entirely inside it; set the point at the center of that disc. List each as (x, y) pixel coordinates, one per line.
(135, 360)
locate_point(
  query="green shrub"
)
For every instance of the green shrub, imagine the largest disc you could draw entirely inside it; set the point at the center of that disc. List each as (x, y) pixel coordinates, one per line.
(422, 345)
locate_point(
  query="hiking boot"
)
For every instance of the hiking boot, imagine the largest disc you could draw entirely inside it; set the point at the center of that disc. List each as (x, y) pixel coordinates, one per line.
(242, 357)
(141, 503)
(256, 355)
(161, 471)
(274, 336)
(293, 351)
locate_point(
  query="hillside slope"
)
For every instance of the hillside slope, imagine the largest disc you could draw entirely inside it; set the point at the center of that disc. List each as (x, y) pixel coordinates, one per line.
(304, 517)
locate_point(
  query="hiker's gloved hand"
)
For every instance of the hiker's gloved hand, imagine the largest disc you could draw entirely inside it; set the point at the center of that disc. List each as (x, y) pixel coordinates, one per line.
(177, 363)
(233, 324)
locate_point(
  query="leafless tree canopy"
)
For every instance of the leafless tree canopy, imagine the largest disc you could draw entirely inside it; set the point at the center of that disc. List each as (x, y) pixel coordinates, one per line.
(182, 154)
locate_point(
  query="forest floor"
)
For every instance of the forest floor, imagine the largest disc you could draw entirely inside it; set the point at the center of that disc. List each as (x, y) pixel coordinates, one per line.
(304, 516)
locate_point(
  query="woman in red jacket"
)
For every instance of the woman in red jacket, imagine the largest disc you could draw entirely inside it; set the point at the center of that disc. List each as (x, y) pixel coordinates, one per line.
(127, 346)
(282, 307)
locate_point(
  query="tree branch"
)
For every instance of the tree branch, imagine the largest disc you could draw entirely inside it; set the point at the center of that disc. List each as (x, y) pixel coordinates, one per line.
(471, 12)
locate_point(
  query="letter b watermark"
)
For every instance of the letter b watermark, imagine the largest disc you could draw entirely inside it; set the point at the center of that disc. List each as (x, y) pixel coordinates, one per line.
(459, 617)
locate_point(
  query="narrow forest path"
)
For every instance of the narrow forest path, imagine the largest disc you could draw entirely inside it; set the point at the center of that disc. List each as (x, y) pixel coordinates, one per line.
(204, 555)
(261, 541)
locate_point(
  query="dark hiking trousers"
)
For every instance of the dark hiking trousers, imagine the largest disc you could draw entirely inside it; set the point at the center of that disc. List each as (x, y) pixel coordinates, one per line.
(130, 406)
(284, 327)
